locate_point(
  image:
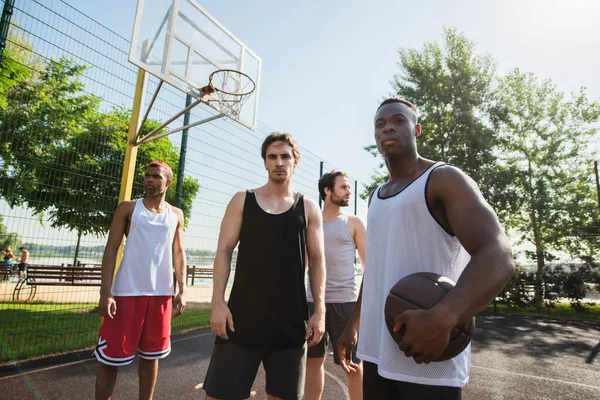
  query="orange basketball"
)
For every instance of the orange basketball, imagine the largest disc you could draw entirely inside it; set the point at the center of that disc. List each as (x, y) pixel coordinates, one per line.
(422, 291)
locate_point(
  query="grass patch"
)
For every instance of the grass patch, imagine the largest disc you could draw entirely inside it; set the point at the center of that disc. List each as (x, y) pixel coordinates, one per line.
(560, 311)
(29, 330)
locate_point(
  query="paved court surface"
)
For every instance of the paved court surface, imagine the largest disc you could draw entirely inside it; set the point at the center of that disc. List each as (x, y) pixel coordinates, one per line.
(513, 358)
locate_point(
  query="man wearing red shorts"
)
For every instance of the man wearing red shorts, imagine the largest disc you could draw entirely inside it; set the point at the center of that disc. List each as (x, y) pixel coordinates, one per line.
(136, 306)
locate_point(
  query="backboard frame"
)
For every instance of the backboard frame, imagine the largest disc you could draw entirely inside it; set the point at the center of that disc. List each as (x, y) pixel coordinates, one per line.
(182, 81)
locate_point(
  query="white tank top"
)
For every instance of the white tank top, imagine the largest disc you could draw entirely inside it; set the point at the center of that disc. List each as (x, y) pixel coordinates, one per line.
(404, 238)
(147, 265)
(340, 252)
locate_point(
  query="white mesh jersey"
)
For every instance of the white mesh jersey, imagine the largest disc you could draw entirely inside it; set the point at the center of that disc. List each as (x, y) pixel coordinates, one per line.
(404, 238)
(147, 265)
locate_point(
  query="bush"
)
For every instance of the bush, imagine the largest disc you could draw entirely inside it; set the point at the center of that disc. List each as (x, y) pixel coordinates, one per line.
(571, 281)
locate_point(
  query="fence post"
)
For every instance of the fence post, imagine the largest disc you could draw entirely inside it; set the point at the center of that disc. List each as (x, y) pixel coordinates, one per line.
(355, 197)
(182, 154)
(320, 175)
(7, 13)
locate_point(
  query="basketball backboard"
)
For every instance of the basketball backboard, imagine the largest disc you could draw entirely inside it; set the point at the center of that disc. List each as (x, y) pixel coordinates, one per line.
(180, 43)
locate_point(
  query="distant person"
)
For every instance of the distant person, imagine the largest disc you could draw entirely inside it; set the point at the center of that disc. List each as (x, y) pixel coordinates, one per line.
(343, 234)
(23, 262)
(137, 306)
(266, 319)
(7, 257)
(428, 217)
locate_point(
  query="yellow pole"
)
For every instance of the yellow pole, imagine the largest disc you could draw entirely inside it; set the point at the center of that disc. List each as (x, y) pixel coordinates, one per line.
(131, 150)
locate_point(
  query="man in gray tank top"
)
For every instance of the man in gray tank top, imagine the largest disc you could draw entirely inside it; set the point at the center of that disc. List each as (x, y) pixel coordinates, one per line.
(343, 234)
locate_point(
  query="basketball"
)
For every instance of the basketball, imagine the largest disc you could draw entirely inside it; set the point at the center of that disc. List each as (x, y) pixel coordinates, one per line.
(421, 291)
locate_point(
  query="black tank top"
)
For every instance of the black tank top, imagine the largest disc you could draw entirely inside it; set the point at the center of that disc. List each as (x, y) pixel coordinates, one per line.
(268, 297)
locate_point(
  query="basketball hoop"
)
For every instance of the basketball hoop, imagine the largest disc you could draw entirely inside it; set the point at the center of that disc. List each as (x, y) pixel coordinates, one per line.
(229, 89)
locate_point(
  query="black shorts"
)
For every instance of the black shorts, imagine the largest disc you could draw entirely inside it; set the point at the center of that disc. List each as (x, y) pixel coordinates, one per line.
(375, 387)
(22, 267)
(336, 317)
(233, 368)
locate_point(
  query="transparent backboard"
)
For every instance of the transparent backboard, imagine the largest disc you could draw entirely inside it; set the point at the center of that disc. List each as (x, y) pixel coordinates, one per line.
(179, 42)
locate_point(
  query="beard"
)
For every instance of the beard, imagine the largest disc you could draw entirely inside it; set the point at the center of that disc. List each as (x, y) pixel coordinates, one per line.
(154, 192)
(340, 201)
(279, 178)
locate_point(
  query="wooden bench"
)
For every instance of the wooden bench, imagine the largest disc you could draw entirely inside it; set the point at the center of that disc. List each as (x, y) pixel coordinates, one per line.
(198, 273)
(53, 275)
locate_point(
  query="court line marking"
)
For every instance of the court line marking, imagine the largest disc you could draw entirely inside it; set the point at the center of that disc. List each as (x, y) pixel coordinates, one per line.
(537, 377)
(339, 381)
(87, 360)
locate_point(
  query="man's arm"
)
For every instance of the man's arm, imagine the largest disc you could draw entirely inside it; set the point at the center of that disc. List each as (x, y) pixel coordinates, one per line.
(477, 228)
(107, 306)
(316, 270)
(229, 235)
(179, 264)
(349, 337)
(360, 237)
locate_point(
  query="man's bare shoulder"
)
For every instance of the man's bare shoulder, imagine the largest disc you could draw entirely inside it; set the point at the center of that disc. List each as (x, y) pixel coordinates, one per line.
(236, 204)
(311, 206)
(238, 199)
(178, 211)
(450, 178)
(355, 220)
(125, 207)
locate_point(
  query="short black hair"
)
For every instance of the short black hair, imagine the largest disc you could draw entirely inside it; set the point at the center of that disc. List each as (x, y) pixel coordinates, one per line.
(397, 100)
(328, 181)
(280, 137)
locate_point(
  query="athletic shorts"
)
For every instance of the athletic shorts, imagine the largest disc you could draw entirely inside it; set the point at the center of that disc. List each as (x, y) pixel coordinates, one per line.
(375, 387)
(142, 324)
(336, 317)
(233, 368)
(22, 267)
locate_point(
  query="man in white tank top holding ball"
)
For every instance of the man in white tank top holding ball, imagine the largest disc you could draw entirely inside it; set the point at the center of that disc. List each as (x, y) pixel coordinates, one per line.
(428, 217)
(343, 235)
(137, 305)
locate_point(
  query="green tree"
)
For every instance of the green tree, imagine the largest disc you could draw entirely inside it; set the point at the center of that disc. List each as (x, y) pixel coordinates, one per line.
(453, 89)
(88, 170)
(40, 116)
(545, 140)
(63, 158)
(19, 63)
(8, 239)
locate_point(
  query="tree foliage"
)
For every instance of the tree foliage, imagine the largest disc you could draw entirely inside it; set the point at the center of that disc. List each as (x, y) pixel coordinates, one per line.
(19, 63)
(523, 141)
(545, 139)
(8, 239)
(453, 88)
(62, 157)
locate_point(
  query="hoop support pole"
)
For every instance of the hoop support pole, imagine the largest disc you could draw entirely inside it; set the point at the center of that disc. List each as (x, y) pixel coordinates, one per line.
(146, 138)
(141, 124)
(131, 150)
(136, 141)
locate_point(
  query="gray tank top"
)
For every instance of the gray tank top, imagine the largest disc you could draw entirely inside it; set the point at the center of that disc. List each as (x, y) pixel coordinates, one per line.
(340, 252)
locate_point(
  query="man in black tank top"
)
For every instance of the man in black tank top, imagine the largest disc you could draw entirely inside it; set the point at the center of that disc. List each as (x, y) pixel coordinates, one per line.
(266, 319)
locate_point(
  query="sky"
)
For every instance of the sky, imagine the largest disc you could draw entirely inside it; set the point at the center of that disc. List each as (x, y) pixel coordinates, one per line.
(328, 64)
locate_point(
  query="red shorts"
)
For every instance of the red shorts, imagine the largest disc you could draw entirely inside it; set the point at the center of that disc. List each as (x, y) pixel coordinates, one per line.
(142, 324)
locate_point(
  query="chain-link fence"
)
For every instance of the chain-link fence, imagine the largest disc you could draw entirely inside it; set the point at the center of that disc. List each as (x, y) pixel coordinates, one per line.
(65, 92)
